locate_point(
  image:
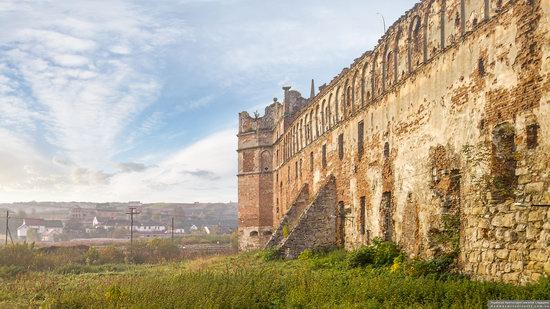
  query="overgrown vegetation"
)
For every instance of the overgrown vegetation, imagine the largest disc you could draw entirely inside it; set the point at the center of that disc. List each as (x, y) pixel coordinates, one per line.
(378, 276)
(19, 258)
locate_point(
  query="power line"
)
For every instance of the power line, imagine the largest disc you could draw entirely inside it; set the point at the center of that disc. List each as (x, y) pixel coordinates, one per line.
(132, 213)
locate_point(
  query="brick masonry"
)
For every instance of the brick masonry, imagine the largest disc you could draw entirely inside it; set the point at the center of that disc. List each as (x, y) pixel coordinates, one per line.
(454, 103)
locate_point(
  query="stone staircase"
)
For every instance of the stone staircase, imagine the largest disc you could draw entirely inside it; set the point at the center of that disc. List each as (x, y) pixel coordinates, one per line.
(308, 225)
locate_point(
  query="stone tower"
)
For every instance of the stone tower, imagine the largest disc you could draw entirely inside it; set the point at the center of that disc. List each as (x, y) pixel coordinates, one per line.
(255, 177)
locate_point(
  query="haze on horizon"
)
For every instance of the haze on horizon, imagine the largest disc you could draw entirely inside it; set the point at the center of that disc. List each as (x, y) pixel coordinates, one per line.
(136, 100)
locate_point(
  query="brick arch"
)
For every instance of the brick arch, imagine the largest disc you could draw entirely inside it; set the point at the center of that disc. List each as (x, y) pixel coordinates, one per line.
(435, 27)
(266, 160)
(332, 120)
(336, 104)
(417, 42)
(317, 132)
(390, 64)
(323, 116)
(356, 92)
(453, 21)
(366, 87)
(377, 67)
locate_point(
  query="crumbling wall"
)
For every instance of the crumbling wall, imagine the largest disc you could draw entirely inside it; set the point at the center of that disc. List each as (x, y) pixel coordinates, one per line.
(457, 139)
(316, 227)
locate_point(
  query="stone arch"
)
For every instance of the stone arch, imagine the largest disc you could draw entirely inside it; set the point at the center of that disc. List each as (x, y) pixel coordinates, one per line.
(345, 95)
(355, 92)
(377, 81)
(474, 12)
(337, 105)
(301, 134)
(266, 161)
(367, 88)
(311, 115)
(306, 129)
(330, 121)
(254, 234)
(323, 115)
(453, 21)
(317, 122)
(416, 43)
(435, 27)
(390, 64)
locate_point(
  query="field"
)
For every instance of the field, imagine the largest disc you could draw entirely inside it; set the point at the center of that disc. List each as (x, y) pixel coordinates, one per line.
(256, 280)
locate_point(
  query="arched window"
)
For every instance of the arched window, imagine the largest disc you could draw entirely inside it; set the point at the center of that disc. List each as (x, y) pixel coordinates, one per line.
(267, 161)
(416, 40)
(390, 68)
(331, 121)
(317, 121)
(254, 233)
(323, 115)
(336, 107)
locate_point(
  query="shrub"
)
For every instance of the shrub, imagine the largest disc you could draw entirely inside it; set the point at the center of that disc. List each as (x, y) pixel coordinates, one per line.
(270, 254)
(306, 255)
(11, 271)
(438, 265)
(17, 255)
(379, 254)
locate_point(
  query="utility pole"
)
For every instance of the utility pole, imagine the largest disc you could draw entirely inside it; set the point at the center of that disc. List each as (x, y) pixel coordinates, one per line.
(132, 213)
(7, 225)
(172, 228)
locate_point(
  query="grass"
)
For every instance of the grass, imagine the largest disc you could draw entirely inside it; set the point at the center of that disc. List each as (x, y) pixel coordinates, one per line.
(250, 280)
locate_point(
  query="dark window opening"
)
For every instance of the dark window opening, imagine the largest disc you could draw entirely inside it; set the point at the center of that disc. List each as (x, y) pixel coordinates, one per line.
(503, 162)
(386, 150)
(311, 161)
(324, 156)
(362, 214)
(254, 233)
(267, 233)
(288, 172)
(360, 138)
(532, 136)
(481, 67)
(340, 225)
(296, 168)
(341, 146)
(388, 216)
(300, 168)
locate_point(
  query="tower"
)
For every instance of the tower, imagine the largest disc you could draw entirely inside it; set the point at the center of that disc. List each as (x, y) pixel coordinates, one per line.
(255, 178)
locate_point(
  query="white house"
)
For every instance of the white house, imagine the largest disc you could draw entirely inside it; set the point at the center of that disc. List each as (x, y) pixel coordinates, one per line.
(39, 225)
(149, 227)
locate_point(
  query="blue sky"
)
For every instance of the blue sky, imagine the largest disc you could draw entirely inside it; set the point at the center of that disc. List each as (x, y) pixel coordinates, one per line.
(116, 100)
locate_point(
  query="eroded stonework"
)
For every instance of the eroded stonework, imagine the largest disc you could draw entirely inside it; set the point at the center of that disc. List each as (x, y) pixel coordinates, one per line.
(447, 118)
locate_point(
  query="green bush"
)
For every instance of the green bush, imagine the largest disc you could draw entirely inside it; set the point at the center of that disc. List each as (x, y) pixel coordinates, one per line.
(270, 254)
(305, 255)
(379, 254)
(11, 271)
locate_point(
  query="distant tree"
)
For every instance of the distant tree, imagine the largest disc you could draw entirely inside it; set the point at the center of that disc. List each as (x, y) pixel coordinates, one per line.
(32, 235)
(21, 213)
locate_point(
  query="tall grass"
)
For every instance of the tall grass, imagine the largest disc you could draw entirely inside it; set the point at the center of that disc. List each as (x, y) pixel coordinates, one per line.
(249, 281)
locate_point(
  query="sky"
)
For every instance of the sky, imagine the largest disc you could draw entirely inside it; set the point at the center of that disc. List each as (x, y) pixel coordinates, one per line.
(118, 100)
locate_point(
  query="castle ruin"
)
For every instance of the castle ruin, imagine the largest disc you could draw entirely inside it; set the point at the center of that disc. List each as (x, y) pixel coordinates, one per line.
(442, 130)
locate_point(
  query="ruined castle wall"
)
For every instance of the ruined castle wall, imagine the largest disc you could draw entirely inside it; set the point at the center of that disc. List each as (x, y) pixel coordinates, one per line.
(438, 98)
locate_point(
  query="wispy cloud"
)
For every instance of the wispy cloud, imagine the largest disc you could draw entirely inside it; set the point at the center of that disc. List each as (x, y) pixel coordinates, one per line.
(100, 100)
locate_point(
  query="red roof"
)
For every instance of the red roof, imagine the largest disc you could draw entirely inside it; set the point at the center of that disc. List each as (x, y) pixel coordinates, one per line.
(34, 222)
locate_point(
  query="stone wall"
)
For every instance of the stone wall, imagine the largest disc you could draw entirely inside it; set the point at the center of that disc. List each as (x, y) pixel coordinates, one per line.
(449, 116)
(291, 218)
(316, 228)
